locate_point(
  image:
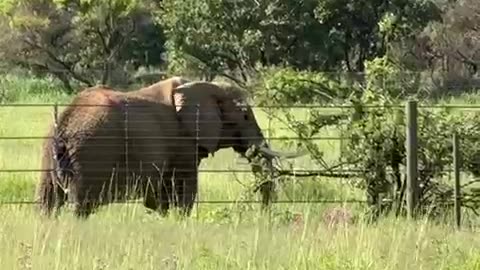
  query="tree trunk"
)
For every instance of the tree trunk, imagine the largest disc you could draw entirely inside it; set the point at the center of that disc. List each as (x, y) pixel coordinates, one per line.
(65, 81)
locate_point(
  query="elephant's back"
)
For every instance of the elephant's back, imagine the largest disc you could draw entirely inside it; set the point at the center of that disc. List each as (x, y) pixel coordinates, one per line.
(93, 112)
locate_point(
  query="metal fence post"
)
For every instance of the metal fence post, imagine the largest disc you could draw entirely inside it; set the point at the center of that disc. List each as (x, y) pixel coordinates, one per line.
(55, 115)
(456, 170)
(412, 165)
(56, 168)
(126, 139)
(55, 130)
(197, 161)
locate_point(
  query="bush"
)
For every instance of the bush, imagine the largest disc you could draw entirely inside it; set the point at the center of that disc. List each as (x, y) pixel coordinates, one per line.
(374, 121)
(377, 147)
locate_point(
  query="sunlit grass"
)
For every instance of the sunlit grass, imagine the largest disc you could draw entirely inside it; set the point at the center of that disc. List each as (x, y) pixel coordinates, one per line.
(123, 237)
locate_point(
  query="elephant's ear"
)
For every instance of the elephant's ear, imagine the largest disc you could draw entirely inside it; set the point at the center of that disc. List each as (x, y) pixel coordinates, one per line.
(196, 109)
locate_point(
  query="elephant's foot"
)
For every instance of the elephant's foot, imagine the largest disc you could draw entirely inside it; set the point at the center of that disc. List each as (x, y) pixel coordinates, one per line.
(51, 201)
(186, 194)
(186, 211)
(185, 206)
(45, 210)
(163, 209)
(46, 205)
(160, 204)
(56, 209)
(83, 210)
(153, 204)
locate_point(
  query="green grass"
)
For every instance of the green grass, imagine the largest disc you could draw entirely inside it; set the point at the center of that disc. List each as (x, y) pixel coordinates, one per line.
(217, 236)
(125, 238)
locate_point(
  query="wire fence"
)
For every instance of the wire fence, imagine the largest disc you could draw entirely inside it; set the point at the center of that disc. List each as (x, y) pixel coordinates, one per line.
(127, 136)
(158, 142)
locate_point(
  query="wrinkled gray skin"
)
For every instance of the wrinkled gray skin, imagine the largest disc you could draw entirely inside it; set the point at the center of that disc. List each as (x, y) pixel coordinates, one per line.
(142, 144)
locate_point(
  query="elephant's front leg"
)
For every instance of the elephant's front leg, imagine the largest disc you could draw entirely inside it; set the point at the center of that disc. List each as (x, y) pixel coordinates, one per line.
(159, 192)
(188, 192)
(166, 193)
(186, 187)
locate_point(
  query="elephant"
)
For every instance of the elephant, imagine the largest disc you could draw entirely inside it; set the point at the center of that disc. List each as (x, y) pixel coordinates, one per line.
(109, 145)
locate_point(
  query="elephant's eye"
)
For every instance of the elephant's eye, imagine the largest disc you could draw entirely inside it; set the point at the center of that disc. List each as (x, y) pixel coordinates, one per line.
(245, 117)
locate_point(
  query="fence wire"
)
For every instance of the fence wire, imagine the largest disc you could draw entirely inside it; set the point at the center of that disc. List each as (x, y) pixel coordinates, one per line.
(137, 139)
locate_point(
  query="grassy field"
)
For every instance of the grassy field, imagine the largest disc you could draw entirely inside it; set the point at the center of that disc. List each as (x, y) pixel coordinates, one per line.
(217, 236)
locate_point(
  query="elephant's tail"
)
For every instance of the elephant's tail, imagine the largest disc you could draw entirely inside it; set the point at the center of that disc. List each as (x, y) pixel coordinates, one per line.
(56, 168)
(62, 165)
(61, 146)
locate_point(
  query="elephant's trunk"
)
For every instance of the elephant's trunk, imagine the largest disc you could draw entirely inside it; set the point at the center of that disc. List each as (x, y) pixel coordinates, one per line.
(267, 185)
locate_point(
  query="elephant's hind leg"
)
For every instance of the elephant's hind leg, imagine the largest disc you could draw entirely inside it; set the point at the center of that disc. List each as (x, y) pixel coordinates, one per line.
(83, 209)
(84, 204)
(50, 197)
(85, 199)
(45, 197)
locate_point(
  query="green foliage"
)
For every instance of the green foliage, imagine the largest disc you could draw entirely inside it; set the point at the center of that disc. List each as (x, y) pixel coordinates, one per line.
(290, 86)
(293, 47)
(377, 149)
(233, 38)
(361, 28)
(377, 145)
(383, 74)
(191, 26)
(21, 88)
(89, 42)
(81, 42)
(287, 86)
(374, 123)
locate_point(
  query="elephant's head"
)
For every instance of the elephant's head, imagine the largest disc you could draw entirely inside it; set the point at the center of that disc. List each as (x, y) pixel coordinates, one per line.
(219, 115)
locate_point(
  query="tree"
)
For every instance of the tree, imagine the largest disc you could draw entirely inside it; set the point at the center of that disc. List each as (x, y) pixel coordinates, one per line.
(364, 29)
(80, 41)
(451, 47)
(232, 37)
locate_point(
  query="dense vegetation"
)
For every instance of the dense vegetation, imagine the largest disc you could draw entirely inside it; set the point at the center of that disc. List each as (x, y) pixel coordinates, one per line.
(86, 42)
(323, 52)
(354, 63)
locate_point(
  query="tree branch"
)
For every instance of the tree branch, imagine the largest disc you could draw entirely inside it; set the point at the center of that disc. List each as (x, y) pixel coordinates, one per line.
(52, 56)
(113, 47)
(465, 59)
(102, 39)
(311, 174)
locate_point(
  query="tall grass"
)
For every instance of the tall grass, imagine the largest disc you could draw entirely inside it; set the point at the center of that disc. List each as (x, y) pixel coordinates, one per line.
(124, 238)
(217, 236)
(28, 89)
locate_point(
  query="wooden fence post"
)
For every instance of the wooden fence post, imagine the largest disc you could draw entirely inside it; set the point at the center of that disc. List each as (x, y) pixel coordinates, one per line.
(456, 171)
(412, 165)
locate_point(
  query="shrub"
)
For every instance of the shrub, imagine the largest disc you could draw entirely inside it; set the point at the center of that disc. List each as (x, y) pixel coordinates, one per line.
(374, 121)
